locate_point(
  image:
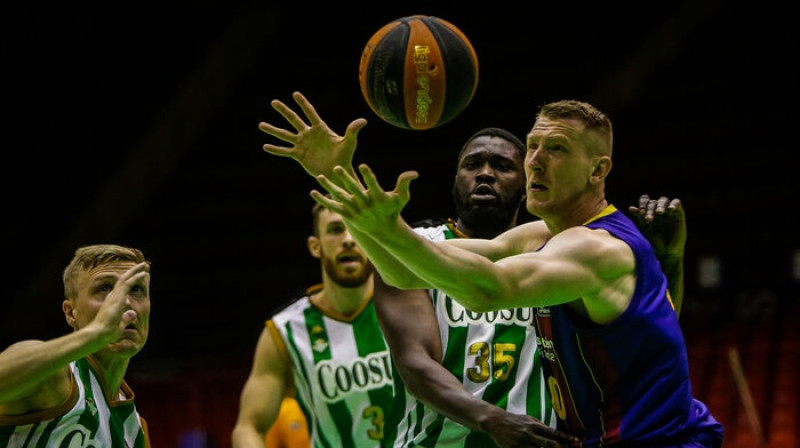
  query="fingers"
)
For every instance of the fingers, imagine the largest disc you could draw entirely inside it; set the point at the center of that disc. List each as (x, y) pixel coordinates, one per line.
(138, 271)
(369, 178)
(401, 188)
(308, 109)
(350, 182)
(278, 150)
(289, 114)
(661, 205)
(650, 208)
(639, 212)
(326, 202)
(643, 201)
(353, 128)
(280, 133)
(336, 191)
(276, 132)
(403, 185)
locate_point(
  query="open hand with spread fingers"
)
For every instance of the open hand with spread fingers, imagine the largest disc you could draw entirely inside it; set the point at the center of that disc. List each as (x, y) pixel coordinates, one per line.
(313, 144)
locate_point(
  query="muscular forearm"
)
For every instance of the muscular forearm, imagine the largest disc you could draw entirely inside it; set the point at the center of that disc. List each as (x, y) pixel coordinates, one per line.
(26, 364)
(436, 264)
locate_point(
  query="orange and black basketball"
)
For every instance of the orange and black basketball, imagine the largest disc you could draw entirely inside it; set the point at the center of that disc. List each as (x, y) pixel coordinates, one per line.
(418, 72)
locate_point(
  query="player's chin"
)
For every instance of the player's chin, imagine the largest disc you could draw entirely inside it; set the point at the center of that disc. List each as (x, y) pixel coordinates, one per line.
(127, 346)
(532, 203)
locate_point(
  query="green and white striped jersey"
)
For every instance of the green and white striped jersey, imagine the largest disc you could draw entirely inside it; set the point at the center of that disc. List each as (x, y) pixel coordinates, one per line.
(494, 355)
(85, 420)
(342, 372)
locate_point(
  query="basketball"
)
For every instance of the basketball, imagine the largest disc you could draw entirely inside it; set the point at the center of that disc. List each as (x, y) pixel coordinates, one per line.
(418, 72)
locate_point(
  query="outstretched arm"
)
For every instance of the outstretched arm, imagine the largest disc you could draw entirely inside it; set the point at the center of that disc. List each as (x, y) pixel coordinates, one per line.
(30, 371)
(663, 223)
(563, 270)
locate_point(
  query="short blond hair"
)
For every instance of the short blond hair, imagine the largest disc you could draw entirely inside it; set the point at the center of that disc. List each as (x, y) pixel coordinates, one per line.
(592, 117)
(87, 258)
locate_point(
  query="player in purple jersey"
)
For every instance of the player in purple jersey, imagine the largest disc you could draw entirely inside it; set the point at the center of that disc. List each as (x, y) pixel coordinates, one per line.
(317, 149)
(617, 363)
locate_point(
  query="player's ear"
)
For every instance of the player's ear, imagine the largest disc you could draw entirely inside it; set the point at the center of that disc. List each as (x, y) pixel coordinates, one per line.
(602, 166)
(313, 246)
(69, 312)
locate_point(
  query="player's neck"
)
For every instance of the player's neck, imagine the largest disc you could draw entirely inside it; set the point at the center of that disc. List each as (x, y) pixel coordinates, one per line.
(463, 230)
(344, 300)
(575, 215)
(112, 371)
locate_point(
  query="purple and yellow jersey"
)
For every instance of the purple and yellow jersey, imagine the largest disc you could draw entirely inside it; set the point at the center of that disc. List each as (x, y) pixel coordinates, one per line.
(628, 381)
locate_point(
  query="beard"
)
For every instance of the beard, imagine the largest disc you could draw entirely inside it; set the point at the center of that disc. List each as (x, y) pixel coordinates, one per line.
(486, 220)
(347, 279)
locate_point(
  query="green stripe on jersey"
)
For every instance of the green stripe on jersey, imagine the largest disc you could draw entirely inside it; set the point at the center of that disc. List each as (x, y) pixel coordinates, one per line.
(492, 354)
(342, 372)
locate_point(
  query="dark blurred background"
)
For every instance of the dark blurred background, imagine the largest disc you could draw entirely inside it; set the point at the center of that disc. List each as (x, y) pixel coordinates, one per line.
(138, 126)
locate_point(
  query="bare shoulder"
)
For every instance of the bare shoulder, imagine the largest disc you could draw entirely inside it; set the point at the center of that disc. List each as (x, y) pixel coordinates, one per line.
(271, 353)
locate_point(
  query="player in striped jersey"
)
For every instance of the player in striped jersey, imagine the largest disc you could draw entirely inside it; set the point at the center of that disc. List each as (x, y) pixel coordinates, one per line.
(70, 391)
(328, 347)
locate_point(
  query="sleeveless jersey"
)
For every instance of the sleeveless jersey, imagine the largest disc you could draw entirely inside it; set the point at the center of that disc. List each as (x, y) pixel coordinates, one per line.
(625, 383)
(85, 420)
(341, 371)
(494, 356)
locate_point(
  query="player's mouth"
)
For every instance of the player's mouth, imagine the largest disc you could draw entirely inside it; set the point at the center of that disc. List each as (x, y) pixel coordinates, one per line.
(536, 187)
(131, 328)
(350, 258)
(483, 193)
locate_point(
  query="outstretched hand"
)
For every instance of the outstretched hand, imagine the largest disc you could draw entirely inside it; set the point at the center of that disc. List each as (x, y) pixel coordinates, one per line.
(663, 222)
(314, 145)
(367, 207)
